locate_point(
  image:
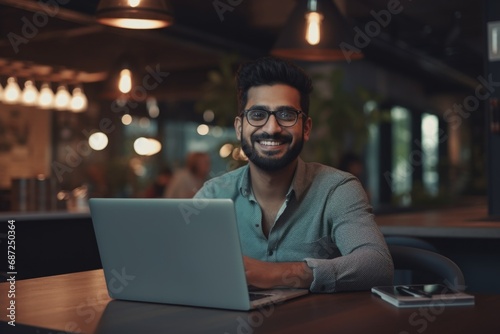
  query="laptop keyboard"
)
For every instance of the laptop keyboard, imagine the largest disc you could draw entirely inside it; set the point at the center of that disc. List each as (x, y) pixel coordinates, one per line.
(256, 296)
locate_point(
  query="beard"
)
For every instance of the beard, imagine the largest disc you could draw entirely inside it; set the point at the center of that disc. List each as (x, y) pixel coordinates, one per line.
(268, 162)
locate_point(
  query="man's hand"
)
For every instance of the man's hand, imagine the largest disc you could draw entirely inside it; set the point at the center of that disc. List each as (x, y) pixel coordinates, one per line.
(266, 275)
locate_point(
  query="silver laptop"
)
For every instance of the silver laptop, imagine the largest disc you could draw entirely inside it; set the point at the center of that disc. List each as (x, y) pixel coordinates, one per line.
(176, 251)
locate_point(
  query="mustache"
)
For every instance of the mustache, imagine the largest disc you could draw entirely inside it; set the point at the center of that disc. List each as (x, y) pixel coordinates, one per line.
(267, 136)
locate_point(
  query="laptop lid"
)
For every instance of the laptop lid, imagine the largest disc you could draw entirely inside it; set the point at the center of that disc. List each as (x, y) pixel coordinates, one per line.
(176, 251)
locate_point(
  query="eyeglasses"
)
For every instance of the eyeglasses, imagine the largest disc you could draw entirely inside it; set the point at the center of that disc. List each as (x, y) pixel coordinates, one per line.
(284, 117)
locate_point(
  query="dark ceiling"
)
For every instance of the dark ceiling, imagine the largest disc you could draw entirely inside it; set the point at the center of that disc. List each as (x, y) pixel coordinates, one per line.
(438, 42)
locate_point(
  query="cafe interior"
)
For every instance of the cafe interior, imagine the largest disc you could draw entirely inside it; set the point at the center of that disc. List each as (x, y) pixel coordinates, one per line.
(92, 107)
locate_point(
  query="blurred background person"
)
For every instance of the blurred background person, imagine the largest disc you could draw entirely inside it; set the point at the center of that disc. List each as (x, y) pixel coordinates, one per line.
(160, 184)
(188, 180)
(352, 163)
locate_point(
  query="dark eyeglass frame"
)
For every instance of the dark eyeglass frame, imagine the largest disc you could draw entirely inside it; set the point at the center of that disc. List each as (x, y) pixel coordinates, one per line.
(273, 112)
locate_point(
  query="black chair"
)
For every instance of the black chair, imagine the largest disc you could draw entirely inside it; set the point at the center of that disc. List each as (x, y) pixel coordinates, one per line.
(408, 276)
(403, 240)
(435, 267)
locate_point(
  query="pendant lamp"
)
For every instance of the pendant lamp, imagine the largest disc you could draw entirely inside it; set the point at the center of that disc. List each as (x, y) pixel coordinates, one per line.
(313, 32)
(135, 14)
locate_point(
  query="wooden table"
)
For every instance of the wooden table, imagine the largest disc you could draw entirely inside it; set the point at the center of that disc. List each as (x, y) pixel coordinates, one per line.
(79, 302)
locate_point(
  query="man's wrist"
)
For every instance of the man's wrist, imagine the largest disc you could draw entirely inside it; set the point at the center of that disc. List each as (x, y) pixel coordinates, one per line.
(293, 275)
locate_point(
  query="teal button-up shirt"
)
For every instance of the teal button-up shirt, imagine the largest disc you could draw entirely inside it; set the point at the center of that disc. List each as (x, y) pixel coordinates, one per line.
(326, 221)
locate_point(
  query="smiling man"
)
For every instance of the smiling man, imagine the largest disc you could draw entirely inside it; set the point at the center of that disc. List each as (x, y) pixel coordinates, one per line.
(302, 225)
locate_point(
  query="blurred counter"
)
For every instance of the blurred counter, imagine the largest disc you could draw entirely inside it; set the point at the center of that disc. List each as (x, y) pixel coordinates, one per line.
(43, 215)
(49, 243)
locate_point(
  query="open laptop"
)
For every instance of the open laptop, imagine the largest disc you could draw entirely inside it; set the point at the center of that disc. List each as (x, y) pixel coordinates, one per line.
(176, 251)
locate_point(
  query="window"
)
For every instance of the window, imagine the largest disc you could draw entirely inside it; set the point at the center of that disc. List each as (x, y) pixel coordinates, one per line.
(430, 153)
(402, 164)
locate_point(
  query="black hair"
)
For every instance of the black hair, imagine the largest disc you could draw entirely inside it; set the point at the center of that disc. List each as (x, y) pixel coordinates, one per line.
(271, 70)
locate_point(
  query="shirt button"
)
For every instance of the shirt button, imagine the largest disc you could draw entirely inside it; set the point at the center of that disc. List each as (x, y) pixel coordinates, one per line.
(270, 253)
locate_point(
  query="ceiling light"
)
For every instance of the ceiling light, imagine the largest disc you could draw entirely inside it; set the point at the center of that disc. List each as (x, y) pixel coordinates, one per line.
(135, 14)
(46, 97)
(12, 92)
(313, 32)
(30, 94)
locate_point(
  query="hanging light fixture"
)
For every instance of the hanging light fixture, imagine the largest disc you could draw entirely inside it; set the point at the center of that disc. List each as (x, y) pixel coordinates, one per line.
(79, 100)
(46, 97)
(313, 32)
(125, 81)
(30, 94)
(313, 23)
(12, 92)
(135, 14)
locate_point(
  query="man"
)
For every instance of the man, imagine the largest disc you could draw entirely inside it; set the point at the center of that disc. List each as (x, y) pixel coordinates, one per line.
(301, 224)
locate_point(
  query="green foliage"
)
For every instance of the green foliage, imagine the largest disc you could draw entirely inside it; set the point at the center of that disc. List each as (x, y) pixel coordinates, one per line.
(339, 121)
(219, 92)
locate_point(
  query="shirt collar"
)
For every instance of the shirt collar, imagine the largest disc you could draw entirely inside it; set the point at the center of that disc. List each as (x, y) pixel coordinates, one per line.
(298, 186)
(300, 180)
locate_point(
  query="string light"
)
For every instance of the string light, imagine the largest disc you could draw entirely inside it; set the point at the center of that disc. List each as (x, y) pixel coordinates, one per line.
(46, 97)
(62, 99)
(12, 92)
(30, 94)
(79, 101)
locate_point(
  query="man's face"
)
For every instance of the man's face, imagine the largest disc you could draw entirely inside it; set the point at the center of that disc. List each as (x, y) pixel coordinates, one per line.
(272, 147)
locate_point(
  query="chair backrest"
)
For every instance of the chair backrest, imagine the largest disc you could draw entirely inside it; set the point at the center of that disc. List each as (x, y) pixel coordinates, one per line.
(444, 270)
(403, 240)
